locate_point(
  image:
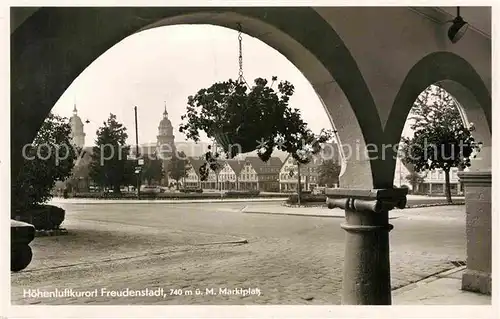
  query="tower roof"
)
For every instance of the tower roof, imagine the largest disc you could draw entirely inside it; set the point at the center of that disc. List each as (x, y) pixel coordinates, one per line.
(75, 120)
(165, 122)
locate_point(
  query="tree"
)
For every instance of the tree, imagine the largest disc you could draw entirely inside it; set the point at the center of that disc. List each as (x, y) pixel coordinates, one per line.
(329, 172)
(152, 169)
(178, 166)
(80, 173)
(292, 172)
(50, 158)
(441, 139)
(415, 179)
(129, 173)
(109, 166)
(242, 121)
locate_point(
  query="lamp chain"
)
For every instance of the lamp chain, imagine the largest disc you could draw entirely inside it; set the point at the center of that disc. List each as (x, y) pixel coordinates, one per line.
(240, 57)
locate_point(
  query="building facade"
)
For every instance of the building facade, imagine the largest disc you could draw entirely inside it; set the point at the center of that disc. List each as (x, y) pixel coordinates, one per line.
(229, 175)
(248, 177)
(433, 182)
(309, 175)
(193, 180)
(260, 175)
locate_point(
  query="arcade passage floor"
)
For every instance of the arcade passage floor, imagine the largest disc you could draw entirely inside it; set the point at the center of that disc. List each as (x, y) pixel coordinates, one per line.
(190, 248)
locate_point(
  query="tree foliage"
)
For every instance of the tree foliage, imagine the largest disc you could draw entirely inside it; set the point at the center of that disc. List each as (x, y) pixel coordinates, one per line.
(212, 163)
(243, 119)
(178, 166)
(414, 179)
(109, 167)
(329, 172)
(129, 174)
(50, 158)
(152, 169)
(441, 139)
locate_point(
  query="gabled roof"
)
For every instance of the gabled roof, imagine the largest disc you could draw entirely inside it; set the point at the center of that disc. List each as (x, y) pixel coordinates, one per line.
(196, 163)
(236, 165)
(259, 165)
(316, 157)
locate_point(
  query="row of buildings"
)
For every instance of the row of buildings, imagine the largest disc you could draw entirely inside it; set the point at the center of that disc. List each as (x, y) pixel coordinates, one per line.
(246, 172)
(253, 174)
(249, 172)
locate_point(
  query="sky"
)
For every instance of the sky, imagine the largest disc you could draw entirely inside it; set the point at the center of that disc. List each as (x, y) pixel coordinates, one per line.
(163, 66)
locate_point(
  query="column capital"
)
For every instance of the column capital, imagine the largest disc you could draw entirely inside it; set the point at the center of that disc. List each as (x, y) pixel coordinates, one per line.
(371, 200)
(475, 177)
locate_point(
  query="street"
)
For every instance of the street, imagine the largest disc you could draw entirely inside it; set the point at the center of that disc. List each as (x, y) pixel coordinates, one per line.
(229, 257)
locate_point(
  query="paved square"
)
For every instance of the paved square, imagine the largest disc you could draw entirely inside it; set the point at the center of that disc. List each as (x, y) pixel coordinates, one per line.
(192, 251)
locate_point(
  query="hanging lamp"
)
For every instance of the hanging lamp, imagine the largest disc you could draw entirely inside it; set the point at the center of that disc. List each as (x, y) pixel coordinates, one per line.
(458, 28)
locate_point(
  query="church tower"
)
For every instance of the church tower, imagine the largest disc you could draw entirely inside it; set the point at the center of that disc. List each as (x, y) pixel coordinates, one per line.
(165, 138)
(77, 134)
(166, 143)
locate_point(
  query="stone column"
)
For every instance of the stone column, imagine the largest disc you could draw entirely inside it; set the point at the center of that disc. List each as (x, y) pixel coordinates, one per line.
(477, 189)
(366, 278)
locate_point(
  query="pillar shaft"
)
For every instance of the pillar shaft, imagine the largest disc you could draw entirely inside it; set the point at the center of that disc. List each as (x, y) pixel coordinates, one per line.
(366, 275)
(366, 278)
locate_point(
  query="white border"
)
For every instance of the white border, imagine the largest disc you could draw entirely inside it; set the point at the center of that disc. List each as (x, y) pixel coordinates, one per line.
(219, 311)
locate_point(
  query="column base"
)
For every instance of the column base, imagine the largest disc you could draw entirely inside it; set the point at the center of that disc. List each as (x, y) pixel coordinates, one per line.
(476, 281)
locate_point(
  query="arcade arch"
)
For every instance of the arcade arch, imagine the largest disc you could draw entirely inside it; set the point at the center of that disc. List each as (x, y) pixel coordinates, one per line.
(49, 57)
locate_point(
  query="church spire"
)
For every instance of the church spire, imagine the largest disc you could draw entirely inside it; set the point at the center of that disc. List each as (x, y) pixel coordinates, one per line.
(165, 113)
(74, 105)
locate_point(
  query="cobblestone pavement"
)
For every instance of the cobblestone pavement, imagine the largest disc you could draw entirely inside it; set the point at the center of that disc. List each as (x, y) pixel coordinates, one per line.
(185, 247)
